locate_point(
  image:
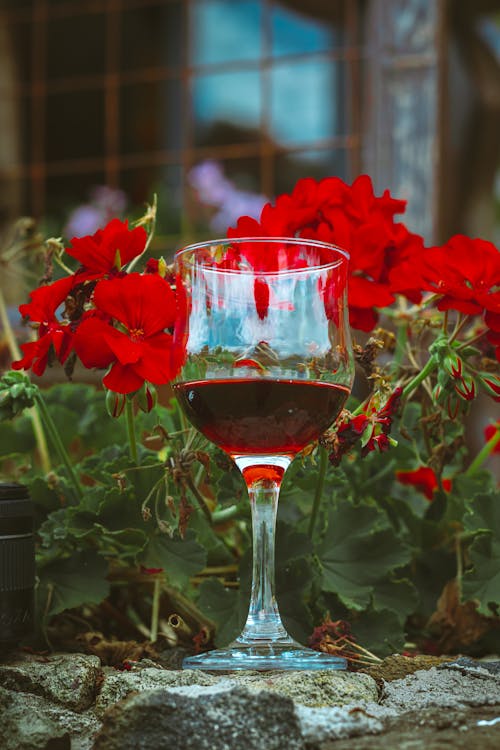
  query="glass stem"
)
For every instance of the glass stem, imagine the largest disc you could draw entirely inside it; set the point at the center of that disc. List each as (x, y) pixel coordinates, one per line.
(263, 622)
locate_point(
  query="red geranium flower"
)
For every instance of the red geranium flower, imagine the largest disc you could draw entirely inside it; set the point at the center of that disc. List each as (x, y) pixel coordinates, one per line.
(466, 272)
(109, 249)
(139, 349)
(424, 480)
(53, 334)
(350, 216)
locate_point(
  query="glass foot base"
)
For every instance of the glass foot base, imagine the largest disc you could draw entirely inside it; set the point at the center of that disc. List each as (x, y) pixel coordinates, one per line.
(263, 658)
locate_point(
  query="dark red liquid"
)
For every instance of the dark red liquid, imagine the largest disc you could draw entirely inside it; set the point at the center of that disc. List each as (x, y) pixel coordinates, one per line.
(259, 416)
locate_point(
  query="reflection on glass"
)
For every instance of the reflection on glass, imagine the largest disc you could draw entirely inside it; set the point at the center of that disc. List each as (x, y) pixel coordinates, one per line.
(317, 163)
(306, 101)
(226, 31)
(149, 116)
(295, 33)
(227, 107)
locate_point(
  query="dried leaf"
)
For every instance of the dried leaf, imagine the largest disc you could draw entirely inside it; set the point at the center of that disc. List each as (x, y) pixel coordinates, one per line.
(458, 625)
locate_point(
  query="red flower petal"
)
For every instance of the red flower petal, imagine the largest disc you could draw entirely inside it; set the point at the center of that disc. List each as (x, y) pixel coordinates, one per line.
(98, 252)
(122, 379)
(46, 299)
(156, 363)
(424, 480)
(141, 303)
(91, 343)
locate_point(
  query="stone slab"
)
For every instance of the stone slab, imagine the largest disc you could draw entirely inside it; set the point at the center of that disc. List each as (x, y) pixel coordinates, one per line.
(68, 679)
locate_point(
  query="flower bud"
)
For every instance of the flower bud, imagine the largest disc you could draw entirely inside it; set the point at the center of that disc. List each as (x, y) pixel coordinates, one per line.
(453, 364)
(438, 394)
(491, 384)
(466, 387)
(146, 397)
(452, 405)
(115, 403)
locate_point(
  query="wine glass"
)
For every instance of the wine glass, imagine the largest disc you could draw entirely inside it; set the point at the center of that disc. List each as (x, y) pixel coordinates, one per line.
(267, 367)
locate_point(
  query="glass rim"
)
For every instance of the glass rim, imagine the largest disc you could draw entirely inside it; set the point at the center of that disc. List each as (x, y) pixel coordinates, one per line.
(339, 251)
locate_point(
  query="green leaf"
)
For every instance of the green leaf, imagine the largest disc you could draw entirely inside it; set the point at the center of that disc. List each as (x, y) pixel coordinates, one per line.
(293, 587)
(290, 544)
(482, 582)
(16, 436)
(380, 632)
(226, 608)
(431, 571)
(70, 582)
(42, 495)
(395, 595)
(180, 558)
(358, 550)
(484, 513)
(217, 552)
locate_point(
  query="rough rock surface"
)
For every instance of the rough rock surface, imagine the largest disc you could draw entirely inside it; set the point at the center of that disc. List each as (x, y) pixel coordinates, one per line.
(313, 689)
(68, 700)
(29, 721)
(117, 685)
(445, 688)
(430, 729)
(234, 720)
(68, 679)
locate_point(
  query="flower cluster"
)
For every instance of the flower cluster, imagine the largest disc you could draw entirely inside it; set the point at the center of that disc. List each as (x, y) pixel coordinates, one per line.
(371, 428)
(129, 323)
(352, 217)
(385, 257)
(108, 318)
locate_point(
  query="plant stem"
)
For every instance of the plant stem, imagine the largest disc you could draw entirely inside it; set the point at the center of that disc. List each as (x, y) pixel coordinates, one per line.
(226, 514)
(401, 339)
(323, 465)
(58, 444)
(132, 441)
(461, 323)
(472, 341)
(199, 499)
(155, 609)
(152, 218)
(63, 265)
(33, 413)
(429, 367)
(484, 453)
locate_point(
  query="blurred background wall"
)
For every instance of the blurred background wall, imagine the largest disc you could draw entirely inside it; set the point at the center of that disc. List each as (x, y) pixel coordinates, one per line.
(218, 105)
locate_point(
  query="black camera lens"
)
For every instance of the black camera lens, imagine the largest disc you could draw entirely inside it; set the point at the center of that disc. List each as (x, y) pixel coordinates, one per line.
(17, 564)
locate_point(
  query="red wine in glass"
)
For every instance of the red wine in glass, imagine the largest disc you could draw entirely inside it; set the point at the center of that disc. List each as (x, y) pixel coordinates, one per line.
(261, 416)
